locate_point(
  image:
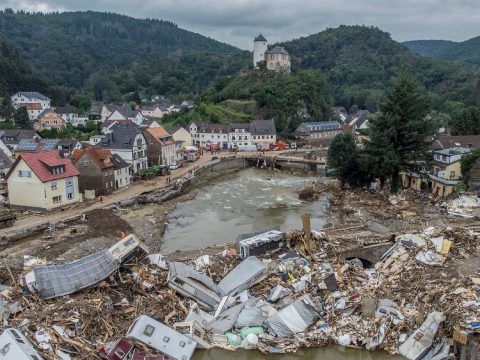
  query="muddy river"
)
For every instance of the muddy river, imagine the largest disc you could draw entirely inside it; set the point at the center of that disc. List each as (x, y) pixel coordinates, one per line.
(244, 202)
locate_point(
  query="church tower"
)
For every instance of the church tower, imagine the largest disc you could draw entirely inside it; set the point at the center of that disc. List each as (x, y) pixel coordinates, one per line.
(259, 48)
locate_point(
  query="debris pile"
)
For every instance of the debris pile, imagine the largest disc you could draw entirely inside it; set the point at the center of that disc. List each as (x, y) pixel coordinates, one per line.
(413, 301)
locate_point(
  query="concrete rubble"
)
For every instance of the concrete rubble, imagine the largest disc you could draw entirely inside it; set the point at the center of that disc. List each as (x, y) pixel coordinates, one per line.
(417, 300)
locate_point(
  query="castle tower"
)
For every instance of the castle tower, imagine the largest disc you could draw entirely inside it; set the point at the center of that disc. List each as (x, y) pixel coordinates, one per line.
(259, 48)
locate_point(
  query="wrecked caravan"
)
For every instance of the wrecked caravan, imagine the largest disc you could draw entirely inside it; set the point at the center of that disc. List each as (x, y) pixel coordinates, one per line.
(193, 284)
(162, 338)
(15, 346)
(246, 274)
(194, 331)
(259, 242)
(123, 349)
(55, 280)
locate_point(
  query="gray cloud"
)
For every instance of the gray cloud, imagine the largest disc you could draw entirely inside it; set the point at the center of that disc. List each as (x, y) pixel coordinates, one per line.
(238, 21)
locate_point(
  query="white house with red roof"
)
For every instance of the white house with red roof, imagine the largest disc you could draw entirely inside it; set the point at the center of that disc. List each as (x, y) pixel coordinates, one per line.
(42, 181)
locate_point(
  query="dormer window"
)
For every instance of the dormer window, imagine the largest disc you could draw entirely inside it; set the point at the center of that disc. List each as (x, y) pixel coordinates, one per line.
(58, 169)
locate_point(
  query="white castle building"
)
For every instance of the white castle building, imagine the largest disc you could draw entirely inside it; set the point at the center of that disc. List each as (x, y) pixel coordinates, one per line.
(277, 58)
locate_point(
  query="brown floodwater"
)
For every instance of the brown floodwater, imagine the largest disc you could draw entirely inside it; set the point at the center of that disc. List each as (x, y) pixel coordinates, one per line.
(322, 353)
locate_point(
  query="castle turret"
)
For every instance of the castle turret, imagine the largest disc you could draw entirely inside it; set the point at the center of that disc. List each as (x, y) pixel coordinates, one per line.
(259, 48)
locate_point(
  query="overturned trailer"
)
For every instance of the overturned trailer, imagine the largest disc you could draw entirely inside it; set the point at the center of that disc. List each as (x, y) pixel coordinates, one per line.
(162, 338)
(55, 280)
(260, 242)
(193, 284)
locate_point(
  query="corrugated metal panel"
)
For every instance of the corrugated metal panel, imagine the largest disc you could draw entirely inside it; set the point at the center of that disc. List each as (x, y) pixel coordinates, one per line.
(58, 280)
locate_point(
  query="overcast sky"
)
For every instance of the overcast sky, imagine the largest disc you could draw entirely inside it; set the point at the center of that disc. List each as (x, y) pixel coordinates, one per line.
(238, 21)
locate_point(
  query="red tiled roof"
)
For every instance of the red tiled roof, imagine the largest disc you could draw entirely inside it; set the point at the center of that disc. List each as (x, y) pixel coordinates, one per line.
(97, 154)
(40, 162)
(158, 133)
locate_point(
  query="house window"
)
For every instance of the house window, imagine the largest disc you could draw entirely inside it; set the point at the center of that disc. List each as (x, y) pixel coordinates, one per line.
(24, 173)
(452, 174)
(57, 199)
(53, 185)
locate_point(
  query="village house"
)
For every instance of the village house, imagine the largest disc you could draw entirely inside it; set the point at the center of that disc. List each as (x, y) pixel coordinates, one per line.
(149, 123)
(101, 172)
(128, 141)
(42, 181)
(441, 175)
(122, 174)
(68, 146)
(340, 112)
(10, 138)
(125, 113)
(263, 132)
(317, 132)
(48, 120)
(71, 115)
(358, 121)
(33, 101)
(181, 135)
(154, 110)
(161, 147)
(203, 134)
(239, 134)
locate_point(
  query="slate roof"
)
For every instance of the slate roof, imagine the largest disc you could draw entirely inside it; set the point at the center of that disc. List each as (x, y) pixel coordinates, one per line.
(322, 126)
(16, 135)
(40, 162)
(277, 50)
(96, 108)
(263, 127)
(213, 128)
(101, 157)
(118, 162)
(33, 95)
(245, 126)
(260, 38)
(127, 111)
(122, 136)
(68, 143)
(66, 110)
(449, 141)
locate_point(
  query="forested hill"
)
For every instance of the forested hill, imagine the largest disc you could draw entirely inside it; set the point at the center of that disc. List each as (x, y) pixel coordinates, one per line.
(465, 51)
(359, 62)
(430, 48)
(66, 48)
(15, 74)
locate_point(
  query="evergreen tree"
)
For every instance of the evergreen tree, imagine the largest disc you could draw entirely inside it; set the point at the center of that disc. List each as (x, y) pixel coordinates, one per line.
(397, 136)
(341, 149)
(468, 122)
(136, 98)
(6, 109)
(21, 119)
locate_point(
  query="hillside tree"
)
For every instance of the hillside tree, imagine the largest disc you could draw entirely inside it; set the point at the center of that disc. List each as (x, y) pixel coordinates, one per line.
(21, 119)
(397, 136)
(341, 149)
(468, 122)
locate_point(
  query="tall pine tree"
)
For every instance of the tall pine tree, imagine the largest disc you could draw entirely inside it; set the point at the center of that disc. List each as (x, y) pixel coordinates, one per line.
(21, 119)
(397, 136)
